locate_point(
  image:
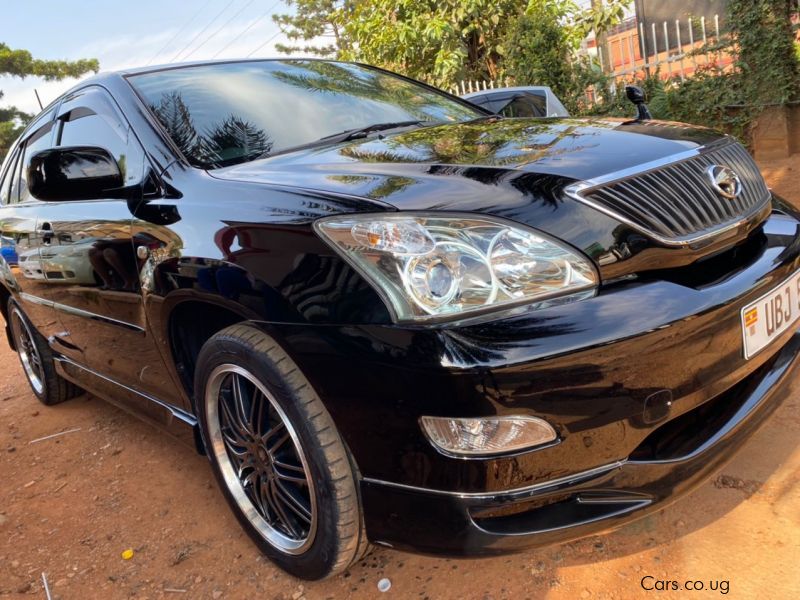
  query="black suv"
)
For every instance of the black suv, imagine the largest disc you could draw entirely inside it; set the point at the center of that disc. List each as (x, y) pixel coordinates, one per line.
(387, 316)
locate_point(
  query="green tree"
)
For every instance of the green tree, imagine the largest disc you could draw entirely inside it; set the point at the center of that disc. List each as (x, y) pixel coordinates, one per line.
(313, 20)
(12, 122)
(444, 41)
(540, 51)
(764, 36)
(436, 41)
(20, 63)
(543, 41)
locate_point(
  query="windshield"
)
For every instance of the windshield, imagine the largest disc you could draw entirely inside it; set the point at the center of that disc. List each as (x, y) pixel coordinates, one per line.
(228, 113)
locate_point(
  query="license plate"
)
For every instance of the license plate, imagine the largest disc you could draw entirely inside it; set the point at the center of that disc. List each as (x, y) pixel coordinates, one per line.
(769, 316)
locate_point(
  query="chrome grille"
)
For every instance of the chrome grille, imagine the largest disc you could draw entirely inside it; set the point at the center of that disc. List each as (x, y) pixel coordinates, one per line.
(675, 202)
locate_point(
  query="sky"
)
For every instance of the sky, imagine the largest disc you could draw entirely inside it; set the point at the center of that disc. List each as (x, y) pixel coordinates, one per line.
(131, 34)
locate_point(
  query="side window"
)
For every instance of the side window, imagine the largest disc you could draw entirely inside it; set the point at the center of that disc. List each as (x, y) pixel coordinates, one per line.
(100, 125)
(39, 141)
(13, 195)
(5, 185)
(497, 102)
(479, 100)
(526, 105)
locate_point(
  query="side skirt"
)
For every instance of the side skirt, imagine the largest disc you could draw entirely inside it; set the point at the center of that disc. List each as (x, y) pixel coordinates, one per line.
(174, 421)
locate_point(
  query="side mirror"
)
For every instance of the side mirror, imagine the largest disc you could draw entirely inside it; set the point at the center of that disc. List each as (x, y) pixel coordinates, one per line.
(74, 173)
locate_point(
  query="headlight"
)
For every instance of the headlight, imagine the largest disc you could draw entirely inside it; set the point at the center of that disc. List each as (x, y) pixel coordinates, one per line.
(435, 267)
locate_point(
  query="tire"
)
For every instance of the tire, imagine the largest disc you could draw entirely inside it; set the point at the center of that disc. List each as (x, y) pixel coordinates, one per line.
(265, 429)
(36, 358)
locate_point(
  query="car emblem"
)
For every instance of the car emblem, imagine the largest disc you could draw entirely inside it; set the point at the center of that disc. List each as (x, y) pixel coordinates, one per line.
(725, 181)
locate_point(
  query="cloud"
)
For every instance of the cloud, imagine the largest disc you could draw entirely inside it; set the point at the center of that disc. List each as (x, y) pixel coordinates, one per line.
(130, 50)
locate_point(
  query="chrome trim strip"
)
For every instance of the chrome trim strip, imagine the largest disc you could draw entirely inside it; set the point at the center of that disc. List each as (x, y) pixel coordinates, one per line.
(574, 478)
(178, 413)
(35, 300)
(649, 166)
(575, 190)
(80, 312)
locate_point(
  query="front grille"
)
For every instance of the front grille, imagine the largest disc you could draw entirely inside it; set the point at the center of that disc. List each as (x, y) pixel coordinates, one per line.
(676, 202)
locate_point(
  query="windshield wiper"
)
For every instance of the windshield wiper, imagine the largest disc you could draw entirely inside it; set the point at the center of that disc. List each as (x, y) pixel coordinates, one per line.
(349, 134)
(362, 132)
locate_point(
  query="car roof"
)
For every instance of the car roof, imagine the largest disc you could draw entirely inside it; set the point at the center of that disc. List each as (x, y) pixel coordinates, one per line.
(522, 88)
(106, 76)
(221, 61)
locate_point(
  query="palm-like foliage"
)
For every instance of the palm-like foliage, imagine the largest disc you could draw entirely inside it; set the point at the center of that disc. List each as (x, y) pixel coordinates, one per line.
(175, 117)
(338, 78)
(234, 140)
(230, 141)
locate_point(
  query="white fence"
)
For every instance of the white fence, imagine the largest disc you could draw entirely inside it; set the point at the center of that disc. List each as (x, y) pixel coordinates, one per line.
(467, 87)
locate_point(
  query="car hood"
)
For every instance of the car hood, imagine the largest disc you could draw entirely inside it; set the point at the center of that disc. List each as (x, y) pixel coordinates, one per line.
(515, 169)
(414, 169)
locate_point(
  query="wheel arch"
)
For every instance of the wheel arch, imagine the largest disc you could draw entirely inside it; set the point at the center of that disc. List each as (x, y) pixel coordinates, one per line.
(190, 323)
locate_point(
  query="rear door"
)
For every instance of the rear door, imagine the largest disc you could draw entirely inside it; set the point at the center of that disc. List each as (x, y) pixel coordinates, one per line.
(20, 264)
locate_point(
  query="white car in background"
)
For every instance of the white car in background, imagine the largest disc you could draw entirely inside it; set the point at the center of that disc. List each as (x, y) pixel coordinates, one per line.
(527, 101)
(60, 263)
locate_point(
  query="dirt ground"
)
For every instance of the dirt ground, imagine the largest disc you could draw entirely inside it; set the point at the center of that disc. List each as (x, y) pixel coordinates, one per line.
(70, 505)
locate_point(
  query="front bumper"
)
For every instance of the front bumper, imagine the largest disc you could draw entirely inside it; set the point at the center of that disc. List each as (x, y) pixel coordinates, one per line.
(646, 385)
(583, 503)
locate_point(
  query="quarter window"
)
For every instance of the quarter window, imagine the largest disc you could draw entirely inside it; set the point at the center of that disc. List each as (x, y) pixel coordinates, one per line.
(5, 186)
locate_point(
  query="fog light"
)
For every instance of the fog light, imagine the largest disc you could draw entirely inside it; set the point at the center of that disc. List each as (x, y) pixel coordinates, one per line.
(485, 436)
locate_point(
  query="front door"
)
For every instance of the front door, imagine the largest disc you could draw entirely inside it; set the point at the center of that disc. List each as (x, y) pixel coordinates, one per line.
(89, 256)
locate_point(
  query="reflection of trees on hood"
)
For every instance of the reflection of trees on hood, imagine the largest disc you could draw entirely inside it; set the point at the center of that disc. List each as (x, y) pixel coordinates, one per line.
(381, 188)
(508, 142)
(228, 142)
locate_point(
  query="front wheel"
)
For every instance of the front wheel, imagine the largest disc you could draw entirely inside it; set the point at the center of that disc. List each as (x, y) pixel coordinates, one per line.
(277, 455)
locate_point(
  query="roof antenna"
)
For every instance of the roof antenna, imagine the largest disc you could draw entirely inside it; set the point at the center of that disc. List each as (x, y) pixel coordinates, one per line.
(39, 100)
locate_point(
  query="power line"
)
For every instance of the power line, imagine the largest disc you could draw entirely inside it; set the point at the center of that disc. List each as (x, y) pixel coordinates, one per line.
(246, 29)
(277, 33)
(177, 33)
(202, 31)
(223, 26)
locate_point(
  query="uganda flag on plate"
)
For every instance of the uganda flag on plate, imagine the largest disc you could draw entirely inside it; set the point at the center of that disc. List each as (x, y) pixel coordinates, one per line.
(750, 318)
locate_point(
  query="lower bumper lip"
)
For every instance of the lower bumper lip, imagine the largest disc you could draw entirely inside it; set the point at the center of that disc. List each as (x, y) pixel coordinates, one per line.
(464, 524)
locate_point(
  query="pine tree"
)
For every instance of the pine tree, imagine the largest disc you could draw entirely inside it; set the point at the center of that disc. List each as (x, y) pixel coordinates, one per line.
(20, 63)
